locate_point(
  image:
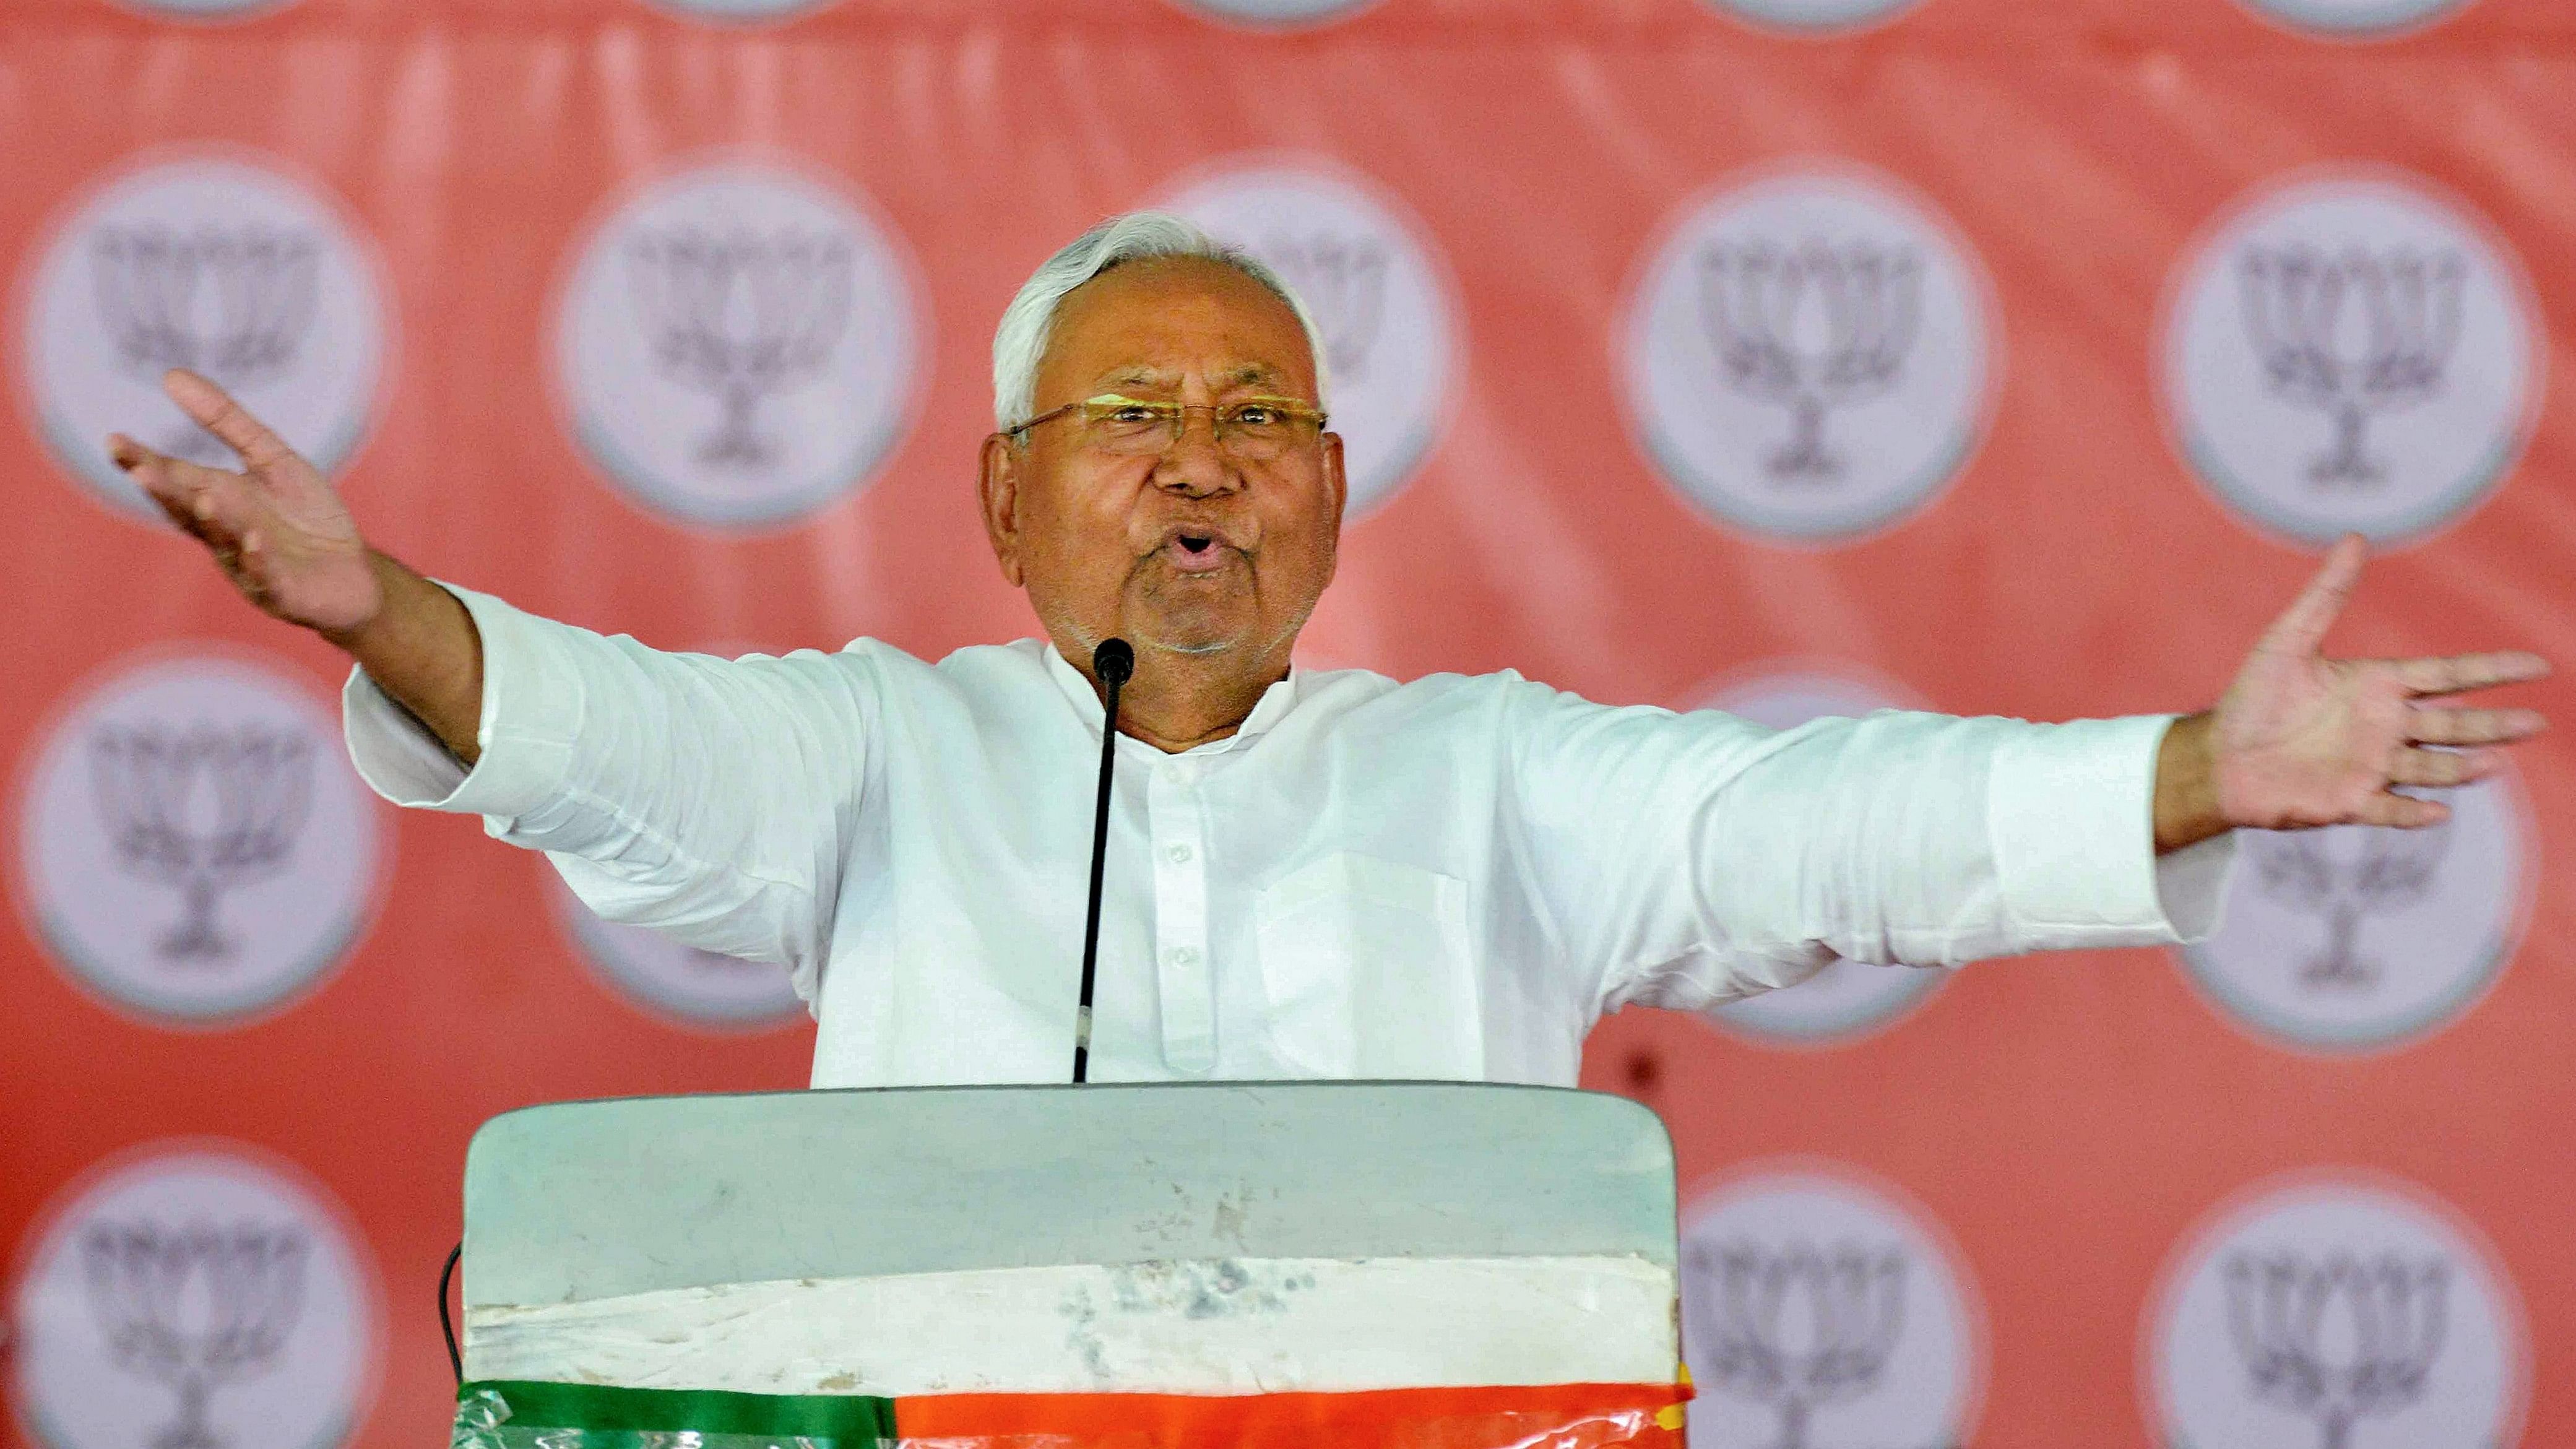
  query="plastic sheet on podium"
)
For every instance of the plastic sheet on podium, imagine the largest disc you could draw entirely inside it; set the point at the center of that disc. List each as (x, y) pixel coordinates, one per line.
(1424, 1265)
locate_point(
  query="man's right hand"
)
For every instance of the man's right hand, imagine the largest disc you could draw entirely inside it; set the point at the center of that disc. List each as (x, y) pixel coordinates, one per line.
(283, 538)
(277, 530)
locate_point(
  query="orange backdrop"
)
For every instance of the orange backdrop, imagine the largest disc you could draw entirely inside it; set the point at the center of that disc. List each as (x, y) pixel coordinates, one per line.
(2044, 181)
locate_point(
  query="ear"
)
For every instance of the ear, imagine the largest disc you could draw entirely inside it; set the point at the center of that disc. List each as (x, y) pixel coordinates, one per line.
(999, 484)
(1335, 480)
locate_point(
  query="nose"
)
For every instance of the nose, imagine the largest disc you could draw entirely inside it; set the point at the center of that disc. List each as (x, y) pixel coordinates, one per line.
(1194, 464)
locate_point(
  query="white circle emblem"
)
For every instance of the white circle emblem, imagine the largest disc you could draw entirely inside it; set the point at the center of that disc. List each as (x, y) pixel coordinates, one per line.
(196, 1297)
(2338, 1311)
(1379, 295)
(1848, 999)
(736, 11)
(1819, 1308)
(1279, 12)
(2357, 937)
(739, 345)
(221, 263)
(670, 979)
(2350, 352)
(206, 9)
(2357, 19)
(1816, 15)
(194, 844)
(1807, 354)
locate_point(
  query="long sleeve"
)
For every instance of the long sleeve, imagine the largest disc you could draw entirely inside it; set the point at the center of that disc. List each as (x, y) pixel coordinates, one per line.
(708, 797)
(1696, 858)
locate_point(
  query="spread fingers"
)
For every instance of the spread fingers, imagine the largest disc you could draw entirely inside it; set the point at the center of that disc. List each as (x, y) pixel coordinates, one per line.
(2438, 726)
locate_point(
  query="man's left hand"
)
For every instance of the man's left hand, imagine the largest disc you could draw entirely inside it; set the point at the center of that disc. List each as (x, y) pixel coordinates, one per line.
(2301, 740)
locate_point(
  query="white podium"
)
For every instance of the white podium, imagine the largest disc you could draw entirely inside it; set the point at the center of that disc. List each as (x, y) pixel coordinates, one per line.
(1058, 1267)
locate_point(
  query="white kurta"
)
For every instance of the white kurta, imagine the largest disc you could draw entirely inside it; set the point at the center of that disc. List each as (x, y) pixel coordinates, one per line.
(1447, 878)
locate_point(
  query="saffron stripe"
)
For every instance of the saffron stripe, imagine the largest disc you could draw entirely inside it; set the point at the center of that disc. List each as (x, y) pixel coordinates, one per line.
(1560, 1416)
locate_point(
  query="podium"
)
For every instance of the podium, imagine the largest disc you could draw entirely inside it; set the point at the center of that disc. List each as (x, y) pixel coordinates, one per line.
(1165, 1266)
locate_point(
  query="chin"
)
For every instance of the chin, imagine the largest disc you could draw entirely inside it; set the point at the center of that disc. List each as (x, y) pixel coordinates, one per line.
(1184, 641)
(1200, 651)
(1192, 626)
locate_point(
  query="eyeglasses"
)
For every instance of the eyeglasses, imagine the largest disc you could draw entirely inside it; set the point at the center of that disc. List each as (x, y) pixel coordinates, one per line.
(1253, 429)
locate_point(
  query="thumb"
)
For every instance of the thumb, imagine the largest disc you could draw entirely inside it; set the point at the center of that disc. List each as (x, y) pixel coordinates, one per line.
(2302, 627)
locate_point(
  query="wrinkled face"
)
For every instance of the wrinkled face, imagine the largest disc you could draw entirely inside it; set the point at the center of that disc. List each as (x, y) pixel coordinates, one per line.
(1194, 550)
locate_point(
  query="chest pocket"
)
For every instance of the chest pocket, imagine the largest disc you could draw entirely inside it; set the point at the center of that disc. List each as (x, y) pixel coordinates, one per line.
(1365, 966)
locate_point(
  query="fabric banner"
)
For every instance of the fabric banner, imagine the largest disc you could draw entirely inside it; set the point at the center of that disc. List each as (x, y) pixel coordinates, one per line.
(1786, 356)
(522, 1415)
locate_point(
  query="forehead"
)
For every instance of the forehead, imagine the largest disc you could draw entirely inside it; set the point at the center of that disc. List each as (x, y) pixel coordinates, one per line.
(1169, 319)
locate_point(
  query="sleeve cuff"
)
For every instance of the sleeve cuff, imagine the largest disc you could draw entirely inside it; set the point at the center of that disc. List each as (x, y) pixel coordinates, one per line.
(2072, 809)
(2192, 884)
(532, 707)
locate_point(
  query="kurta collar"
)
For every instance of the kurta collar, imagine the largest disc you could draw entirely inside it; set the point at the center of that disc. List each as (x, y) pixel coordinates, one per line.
(1274, 704)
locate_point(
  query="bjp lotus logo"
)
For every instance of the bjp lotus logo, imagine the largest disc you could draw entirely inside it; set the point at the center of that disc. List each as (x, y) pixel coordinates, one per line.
(2363, 938)
(147, 777)
(2334, 1310)
(1799, 1325)
(223, 262)
(196, 1295)
(1756, 298)
(1807, 355)
(2350, 351)
(1822, 1309)
(2351, 336)
(195, 846)
(739, 316)
(2337, 1338)
(249, 1276)
(739, 345)
(235, 303)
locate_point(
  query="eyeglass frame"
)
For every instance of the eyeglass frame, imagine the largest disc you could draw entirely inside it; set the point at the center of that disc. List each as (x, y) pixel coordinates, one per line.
(1289, 405)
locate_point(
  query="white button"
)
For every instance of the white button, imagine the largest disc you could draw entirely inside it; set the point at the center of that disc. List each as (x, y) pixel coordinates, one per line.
(1182, 955)
(1181, 771)
(1177, 855)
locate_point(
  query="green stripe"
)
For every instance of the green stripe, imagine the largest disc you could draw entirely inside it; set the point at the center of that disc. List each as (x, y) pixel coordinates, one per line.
(519, 1405)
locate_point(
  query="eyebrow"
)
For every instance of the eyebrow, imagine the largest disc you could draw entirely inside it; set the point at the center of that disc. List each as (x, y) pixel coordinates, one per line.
(1249, 374)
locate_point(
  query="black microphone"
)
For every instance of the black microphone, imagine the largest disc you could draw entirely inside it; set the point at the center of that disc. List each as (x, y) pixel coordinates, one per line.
(1112, 663)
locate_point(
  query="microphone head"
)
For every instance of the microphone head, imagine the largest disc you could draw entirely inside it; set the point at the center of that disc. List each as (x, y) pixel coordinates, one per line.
(1113, 662)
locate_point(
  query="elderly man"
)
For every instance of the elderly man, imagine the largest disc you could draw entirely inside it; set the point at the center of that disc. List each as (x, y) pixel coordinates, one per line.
(1308, 874)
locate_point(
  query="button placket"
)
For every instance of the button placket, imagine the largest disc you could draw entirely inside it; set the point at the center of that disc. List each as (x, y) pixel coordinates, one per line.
(1186, 976)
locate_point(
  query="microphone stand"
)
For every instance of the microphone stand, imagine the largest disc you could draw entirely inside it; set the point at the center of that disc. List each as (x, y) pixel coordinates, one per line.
(1111, 663)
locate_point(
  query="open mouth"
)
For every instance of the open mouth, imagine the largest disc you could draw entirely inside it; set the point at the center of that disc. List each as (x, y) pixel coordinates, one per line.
(1195, 551)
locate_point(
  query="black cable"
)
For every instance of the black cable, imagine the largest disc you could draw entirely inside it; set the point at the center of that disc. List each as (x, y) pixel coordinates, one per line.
(447, 1325)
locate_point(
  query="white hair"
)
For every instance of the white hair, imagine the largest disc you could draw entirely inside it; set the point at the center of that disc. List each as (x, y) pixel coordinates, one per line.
(1021, 339)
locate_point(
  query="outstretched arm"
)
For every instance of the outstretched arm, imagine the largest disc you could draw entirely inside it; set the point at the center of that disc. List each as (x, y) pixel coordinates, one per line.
(283, 537)
(2301, 740)
(1688, 859)
(714, 799)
